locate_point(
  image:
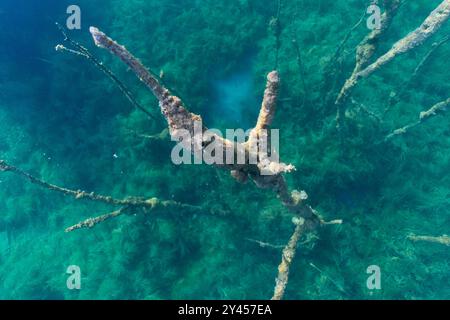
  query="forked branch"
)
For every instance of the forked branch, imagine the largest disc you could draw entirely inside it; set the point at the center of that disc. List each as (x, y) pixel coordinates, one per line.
(365, 51)
(438, 108)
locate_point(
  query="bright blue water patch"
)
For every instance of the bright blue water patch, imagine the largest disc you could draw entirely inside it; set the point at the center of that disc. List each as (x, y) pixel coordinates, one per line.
(235, 99)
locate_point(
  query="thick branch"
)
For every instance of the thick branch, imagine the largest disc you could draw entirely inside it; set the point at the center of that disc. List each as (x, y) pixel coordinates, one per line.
(179, 118)
(162, 136)
(429, 27)
(275, 25)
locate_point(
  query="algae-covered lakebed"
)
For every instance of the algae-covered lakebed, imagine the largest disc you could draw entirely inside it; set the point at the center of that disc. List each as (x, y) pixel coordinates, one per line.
(93, 205)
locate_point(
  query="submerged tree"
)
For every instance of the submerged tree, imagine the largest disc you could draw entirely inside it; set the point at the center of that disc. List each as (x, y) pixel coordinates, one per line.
(305, 218)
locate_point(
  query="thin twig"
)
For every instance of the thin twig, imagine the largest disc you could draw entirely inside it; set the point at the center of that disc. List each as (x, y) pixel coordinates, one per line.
(344, 41)
(414, 39)
(126, 204)
(163, 135)
(331, 69)
(423, 116)
(83, 52)
(276, 27)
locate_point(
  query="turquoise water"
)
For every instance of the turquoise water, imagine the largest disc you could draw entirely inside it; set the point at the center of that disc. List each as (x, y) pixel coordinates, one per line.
(63, 121)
